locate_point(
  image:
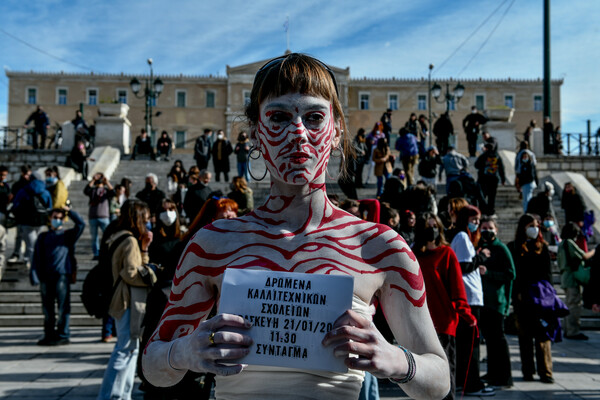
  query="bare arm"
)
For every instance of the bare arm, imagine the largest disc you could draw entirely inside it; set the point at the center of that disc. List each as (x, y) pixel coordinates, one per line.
(181, 341)
(402, 298)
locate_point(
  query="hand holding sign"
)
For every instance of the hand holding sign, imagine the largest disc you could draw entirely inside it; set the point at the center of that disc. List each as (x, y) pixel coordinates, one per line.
(218, 340)
(356, 335)
(290, 315)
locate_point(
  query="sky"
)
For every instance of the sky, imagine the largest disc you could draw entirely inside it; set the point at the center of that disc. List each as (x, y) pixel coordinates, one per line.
(464, 39)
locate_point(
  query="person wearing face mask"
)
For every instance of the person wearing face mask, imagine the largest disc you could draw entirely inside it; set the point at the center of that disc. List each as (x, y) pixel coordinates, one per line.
(242, 149)
(54, 268)
(221, 150)
(535, 328)
(56, 187)
(446, 295)
(100, 191)
(497, 279)
(472, 264)
(472, 124)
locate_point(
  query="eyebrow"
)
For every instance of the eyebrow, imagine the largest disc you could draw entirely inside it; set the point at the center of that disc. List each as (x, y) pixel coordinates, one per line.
(310, 107)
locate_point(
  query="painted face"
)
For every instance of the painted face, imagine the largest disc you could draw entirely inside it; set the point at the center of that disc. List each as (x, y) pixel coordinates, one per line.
(296, 134)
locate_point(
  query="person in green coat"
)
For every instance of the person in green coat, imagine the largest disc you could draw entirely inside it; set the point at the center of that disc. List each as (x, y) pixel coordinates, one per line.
(570, 257)
(497, 277)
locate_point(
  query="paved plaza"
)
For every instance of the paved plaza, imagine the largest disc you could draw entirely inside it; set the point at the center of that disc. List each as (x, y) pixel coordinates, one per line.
(74, 372)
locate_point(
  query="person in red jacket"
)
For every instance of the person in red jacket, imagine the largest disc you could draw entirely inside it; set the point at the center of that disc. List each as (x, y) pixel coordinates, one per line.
(446, 296)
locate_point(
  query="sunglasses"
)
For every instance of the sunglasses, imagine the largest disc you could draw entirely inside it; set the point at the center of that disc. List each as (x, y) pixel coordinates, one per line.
(279, 60)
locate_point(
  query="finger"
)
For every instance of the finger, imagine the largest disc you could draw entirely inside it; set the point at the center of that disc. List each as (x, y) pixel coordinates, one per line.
(347, 332)
(360, 349)
(350, 317)
(221, 320)
(232, 337)
(226, 370)
(225, 352)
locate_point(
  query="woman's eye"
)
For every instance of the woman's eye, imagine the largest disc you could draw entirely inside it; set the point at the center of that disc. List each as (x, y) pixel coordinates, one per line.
(315, 118)
(279, 117)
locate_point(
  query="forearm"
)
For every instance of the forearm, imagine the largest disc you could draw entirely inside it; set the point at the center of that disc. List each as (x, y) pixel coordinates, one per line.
(431, 380)
(155, 363)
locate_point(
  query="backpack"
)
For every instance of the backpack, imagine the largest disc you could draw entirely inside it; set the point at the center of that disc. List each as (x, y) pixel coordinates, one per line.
(32, 211)
(98, 287)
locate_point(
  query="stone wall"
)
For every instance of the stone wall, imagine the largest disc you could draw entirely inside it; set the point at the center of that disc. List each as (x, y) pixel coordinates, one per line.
(588, 166)
(14, 159)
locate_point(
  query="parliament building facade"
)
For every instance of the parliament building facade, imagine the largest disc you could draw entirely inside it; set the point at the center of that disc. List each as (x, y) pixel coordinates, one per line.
(189, 104)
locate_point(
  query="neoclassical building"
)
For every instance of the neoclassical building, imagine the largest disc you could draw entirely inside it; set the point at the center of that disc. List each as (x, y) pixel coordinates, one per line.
(189, 104)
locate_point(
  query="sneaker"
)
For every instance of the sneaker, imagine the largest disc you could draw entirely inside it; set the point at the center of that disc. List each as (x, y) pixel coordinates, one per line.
(13, 259)
(485, 392)
(62, 342)
(107, 339)
(547, 379)
(46, 342)
(579, 336)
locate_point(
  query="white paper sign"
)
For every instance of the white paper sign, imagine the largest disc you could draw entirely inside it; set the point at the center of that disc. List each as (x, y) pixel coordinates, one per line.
(290, 313)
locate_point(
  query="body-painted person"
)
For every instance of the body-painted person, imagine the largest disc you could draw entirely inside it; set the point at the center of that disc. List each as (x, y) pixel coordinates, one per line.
(296, 121)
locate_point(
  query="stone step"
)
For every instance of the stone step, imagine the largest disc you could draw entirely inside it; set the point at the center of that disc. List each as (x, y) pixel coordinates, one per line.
(36, 308)
(31, 320)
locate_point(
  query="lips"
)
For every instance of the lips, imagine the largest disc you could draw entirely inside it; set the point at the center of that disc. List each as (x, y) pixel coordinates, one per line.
(299, 157)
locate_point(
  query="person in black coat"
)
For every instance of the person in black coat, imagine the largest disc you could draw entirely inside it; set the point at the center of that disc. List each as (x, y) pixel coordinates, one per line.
(164, 146)
(196, 195)
(151, 194)
(442, 129)
(221, 150)
(573, 204)
(472, 124)
(490, 172)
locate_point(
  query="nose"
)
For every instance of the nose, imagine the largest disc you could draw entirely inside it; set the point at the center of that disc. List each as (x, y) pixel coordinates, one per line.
(298, 135)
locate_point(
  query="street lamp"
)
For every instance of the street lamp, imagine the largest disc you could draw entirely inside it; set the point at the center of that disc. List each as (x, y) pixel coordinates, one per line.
(429, 105)
(153, 89)
(457, 93)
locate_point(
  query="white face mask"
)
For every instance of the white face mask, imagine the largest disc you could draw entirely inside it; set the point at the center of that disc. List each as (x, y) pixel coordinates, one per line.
(168, 217)
(532, 232)
(220, 137)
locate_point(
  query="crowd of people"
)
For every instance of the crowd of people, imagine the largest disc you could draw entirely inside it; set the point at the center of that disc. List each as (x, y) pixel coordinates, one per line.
(168, 251)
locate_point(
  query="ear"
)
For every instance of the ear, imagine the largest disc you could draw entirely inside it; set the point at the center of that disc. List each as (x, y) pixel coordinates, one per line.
(335, 142)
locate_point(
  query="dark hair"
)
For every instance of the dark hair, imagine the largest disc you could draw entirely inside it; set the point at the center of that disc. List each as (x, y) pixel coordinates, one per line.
(462, 221)
(25, 168)
(381, 144)
(175, 228)
(570, 231)
(126, 182)
(404, 216)
(3, 168)
(386, 212)
(521, 235)
(421, 225)
(297, 73)
(54, 169)
(58, 211)
(348, 204)
(134, 212)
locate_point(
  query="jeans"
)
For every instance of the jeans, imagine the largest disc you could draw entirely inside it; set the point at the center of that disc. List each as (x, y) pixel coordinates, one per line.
(57, 289)
(369, 389)
(120, 373)
(29, 234)
(243, 170)
(96, 223)
(380, 182)
(108, 326)
(527, 191)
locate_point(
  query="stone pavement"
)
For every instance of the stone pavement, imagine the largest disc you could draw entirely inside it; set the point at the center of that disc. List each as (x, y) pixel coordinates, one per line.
(74, 372)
